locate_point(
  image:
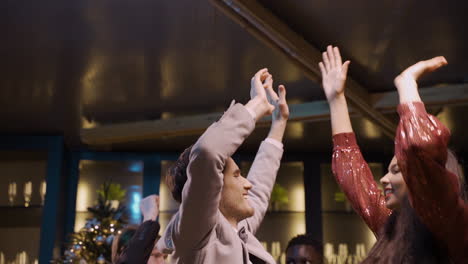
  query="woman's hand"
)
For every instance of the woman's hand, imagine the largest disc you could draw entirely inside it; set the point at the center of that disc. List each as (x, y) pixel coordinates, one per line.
(333, 81)
(333, 73)
(406, 82)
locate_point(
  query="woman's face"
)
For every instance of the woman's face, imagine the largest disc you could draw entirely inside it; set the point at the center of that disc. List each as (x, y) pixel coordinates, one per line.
(394, 186)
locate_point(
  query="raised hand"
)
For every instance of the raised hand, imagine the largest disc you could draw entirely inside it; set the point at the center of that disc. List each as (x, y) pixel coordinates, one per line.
(259, 103)
(406, 82)
(256, 83)
(281, 112)
(333, 73)
(149, 207)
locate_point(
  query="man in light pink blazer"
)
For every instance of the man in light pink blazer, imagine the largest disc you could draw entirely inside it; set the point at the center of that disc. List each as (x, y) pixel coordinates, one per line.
(221, 210)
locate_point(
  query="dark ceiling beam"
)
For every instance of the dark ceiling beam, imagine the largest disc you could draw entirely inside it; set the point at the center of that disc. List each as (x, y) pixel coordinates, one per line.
(438, 96)
(269, 29)
(183, 126)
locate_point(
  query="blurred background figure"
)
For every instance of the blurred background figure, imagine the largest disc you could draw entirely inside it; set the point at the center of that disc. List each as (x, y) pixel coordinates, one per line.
(303, 249)
(136, 243)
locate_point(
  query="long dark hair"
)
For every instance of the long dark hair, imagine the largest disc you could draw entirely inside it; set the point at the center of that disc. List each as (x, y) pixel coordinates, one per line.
(405, 239)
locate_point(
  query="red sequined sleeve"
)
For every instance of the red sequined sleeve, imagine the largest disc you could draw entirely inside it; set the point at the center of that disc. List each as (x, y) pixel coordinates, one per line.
(354, 177)
(421, 151)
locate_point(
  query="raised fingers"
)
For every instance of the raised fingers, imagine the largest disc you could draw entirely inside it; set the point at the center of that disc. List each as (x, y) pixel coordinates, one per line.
(337, 55)
(268, 81)
(331, 56)
(345, 67)
(326, 62)
(427, 66)
(259, 77)
(282, 104)
(282, 93)
(269, 88)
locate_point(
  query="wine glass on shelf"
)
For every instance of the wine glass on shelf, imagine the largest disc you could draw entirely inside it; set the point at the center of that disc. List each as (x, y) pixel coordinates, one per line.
(360, 252)
(27, 193)
(282, 258)
(12, 193)
(343, 253)
(22, 258)
(329, 252)
(276, 249)
(42, 191)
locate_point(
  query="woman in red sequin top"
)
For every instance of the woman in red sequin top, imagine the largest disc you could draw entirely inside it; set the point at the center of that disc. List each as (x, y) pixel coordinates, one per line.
(421, 217)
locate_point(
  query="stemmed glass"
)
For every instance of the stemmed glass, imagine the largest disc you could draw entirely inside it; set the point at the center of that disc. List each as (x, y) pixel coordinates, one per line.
(12, 193)
(276, 250)
(42, 191)
(22, 258)
(27, 193)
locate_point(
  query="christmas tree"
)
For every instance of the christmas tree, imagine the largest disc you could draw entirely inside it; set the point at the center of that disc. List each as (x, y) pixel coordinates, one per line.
(93, 243)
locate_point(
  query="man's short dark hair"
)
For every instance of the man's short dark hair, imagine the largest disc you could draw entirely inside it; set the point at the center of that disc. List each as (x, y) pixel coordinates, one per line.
(177, 175)
(308, 240)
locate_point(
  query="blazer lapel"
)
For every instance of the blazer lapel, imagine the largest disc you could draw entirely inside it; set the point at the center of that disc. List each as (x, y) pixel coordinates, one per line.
(255, 248)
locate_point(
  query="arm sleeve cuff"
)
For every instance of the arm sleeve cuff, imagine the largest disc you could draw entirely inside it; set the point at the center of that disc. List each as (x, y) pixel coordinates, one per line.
(407, 109)
(275, 142)
(344, 140)
(254, 116)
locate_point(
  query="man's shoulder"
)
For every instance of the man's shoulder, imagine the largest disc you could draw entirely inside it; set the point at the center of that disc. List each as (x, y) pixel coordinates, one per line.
(170, 236)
